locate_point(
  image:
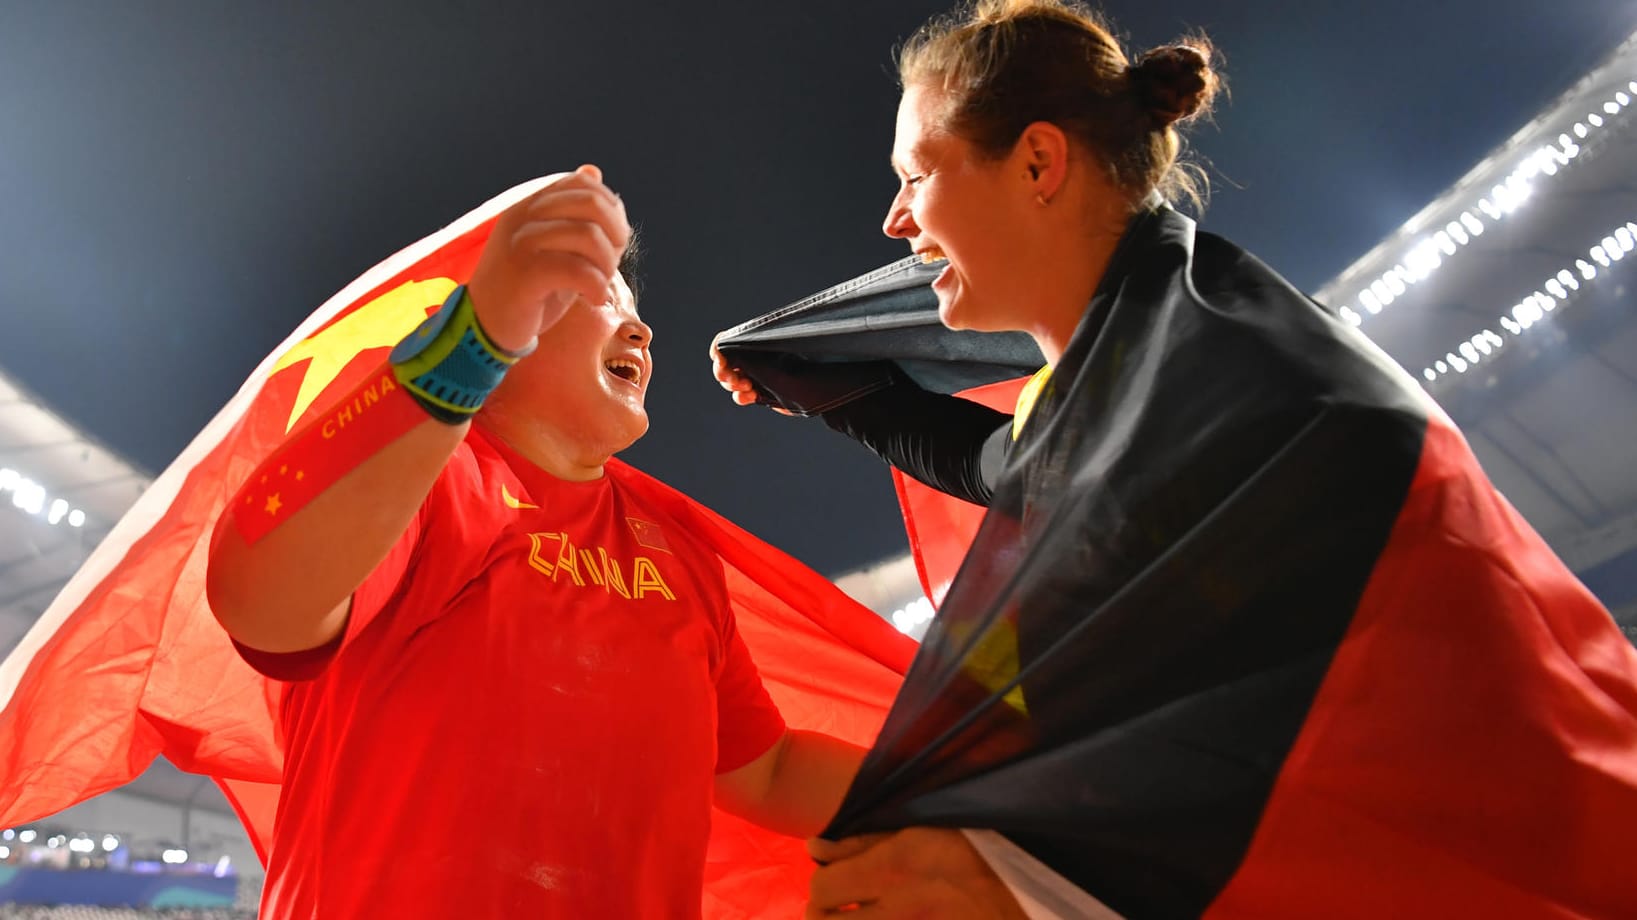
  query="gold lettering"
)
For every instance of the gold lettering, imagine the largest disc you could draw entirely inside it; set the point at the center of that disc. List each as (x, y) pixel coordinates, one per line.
(645, 577)
(612, 575)
(602, 569)
(360, 402)
(566, 561)
(591, 568)
(536, 560)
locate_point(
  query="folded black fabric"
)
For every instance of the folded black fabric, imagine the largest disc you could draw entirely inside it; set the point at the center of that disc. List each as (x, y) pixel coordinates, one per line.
(845, 342)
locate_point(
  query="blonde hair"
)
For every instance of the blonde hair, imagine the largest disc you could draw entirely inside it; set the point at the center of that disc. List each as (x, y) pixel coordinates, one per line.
(1005, 64)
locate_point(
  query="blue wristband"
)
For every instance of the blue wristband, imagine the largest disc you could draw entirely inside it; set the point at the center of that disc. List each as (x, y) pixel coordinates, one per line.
(448, 364)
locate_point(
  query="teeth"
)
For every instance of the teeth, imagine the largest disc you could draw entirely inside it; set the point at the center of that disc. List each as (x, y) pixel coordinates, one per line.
(933, 255)
(624, 368)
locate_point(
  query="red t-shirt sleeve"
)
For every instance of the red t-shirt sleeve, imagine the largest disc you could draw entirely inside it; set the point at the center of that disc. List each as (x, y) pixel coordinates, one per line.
(747, 721)
(420, 574)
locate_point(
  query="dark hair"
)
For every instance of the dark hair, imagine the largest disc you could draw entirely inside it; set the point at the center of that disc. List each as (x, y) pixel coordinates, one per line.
(1006, 64)
(631, 264)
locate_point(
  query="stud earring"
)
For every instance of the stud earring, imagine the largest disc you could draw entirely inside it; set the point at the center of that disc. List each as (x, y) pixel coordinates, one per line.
(1040, 198)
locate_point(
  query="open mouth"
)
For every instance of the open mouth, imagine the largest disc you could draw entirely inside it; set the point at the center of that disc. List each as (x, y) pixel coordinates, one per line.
(932, 254)
(625, 369)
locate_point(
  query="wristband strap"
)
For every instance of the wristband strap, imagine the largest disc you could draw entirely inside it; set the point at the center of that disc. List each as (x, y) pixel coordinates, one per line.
(448, 364)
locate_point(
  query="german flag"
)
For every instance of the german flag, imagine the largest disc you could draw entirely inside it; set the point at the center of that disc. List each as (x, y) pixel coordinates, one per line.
(1245, 631)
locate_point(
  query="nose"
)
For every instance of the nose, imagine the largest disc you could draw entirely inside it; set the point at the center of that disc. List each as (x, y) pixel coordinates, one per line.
(899, 225)
(636, 332)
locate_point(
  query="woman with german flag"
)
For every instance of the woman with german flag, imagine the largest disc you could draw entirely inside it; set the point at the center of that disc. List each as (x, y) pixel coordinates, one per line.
(1245, 631)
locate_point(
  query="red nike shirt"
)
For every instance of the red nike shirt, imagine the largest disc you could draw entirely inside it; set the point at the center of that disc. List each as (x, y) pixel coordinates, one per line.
(524, 717)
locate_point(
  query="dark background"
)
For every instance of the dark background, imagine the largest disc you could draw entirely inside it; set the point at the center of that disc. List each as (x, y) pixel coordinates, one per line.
(182, 182)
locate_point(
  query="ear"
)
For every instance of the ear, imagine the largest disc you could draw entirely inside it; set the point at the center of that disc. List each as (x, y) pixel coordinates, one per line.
(1042, 158)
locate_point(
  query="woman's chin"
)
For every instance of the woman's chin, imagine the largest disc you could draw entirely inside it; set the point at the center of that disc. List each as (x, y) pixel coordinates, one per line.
(957, 312)
(951, 311)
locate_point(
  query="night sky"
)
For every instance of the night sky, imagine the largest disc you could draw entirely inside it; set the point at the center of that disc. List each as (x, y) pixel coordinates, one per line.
(181, 183)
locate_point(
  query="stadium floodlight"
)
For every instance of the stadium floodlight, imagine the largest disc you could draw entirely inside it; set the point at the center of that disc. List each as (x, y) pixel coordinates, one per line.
(174, 856)
(31, 498)
(82, 845)
(1561, 286)
(1506, 196)
(27, 835)
(110, 843)
(913, 614)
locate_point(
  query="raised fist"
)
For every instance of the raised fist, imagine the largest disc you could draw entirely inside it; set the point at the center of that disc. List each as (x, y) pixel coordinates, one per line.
(562, 242)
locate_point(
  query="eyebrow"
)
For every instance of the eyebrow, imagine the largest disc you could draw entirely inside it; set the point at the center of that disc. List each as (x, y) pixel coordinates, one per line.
(918, 151)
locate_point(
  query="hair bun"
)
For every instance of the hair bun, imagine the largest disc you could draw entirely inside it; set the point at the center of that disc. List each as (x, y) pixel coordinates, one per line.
(1175, 83)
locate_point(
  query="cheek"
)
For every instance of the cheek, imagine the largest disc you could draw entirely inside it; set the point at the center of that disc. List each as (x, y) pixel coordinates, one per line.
(930, 208)
(955, 216)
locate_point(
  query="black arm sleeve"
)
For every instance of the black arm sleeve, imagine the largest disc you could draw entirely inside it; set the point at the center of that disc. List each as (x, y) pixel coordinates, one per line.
(953, 445)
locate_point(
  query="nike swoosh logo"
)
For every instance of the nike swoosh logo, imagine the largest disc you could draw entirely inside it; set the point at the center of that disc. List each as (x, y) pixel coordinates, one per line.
(512, 501)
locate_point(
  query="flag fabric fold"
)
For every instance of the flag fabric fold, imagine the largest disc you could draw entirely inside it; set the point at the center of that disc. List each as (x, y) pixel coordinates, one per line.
(845, 341)
(1245, 631)
(128, 663)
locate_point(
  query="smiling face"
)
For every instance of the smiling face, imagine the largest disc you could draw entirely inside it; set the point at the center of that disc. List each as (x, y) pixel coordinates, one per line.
(587, 379)
(954, 203)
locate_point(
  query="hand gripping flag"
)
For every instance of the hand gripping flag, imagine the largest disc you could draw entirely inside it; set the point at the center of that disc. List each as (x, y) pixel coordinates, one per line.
(128, 663)
(855, 339)
(1245, 631)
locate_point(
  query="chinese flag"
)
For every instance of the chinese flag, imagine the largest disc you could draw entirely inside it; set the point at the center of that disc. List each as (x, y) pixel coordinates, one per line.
(129, 664)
